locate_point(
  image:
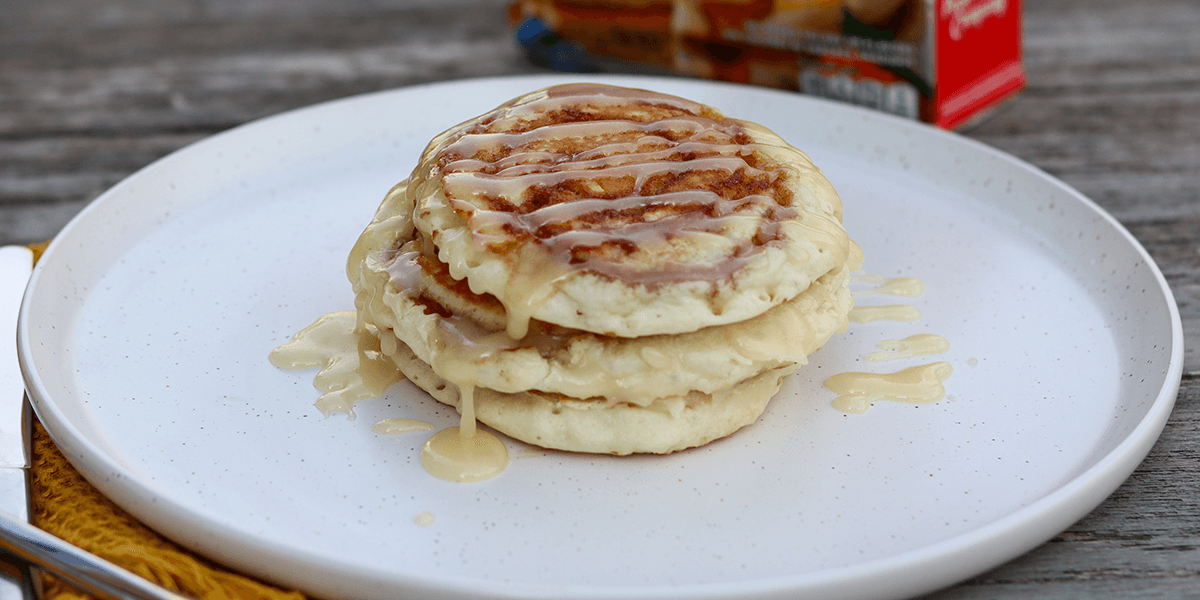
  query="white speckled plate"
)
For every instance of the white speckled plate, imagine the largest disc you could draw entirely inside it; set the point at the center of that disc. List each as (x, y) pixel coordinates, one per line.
(145, 333)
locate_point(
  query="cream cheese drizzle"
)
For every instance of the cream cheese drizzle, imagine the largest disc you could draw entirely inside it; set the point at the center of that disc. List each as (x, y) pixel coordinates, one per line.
(918, 385)
(891, 286)
(352, 366)
(854, 256)
(471, 145)
(913, 345)
(886, 312)
(453, 455)
(748, 225)
(464, 453)
(512, 186)
(492, 168)
(355, 369)
(399, 426)
(857, 391)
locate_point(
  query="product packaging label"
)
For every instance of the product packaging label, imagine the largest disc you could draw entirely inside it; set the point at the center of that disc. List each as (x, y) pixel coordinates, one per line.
(941, 61)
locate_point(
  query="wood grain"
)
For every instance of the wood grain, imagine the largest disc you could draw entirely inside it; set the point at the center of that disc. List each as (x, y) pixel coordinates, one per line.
(92, 91)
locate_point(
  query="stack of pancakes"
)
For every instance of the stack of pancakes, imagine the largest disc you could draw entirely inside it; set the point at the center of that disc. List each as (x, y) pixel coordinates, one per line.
(603, 269)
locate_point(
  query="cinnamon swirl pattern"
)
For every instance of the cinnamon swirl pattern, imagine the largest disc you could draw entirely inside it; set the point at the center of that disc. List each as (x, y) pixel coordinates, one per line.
(625, 212)
(604, 269)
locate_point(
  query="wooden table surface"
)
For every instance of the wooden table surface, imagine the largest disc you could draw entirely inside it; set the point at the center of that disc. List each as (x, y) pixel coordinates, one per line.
(92, 91)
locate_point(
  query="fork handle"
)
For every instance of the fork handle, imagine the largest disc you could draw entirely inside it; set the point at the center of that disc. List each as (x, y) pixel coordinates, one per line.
(79, 567)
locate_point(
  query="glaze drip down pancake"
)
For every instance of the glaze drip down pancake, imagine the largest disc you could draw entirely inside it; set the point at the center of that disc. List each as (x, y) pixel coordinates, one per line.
(410, 295)
(601, 269)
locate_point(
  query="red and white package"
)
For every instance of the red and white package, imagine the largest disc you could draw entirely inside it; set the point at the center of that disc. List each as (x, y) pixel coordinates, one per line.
(941, 61)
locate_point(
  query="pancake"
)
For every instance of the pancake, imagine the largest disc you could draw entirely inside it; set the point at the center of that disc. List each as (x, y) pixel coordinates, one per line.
(601, 269)
(549, 421)
(410, 295)
(625, 212)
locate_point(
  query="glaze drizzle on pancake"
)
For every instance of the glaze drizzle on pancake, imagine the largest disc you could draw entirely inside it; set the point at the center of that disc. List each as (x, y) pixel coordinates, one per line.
(600, 269)
(409, 295)
(631, 188)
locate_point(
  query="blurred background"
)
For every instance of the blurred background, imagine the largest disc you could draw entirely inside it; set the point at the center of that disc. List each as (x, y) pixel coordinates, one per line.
(92, 90)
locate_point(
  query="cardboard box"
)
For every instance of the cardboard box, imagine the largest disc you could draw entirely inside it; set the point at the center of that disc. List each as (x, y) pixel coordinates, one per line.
(941, 61)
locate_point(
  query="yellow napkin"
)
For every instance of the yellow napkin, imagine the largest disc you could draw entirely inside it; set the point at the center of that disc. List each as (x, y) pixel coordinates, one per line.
(67, 506)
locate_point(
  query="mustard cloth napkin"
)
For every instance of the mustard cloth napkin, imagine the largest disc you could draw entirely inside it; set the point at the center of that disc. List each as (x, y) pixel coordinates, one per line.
(64, 504)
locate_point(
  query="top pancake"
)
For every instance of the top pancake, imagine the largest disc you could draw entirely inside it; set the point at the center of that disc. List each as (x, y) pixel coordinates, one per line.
(625, 212)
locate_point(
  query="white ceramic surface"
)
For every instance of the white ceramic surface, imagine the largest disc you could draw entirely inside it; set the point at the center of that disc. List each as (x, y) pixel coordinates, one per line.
(146, 328)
